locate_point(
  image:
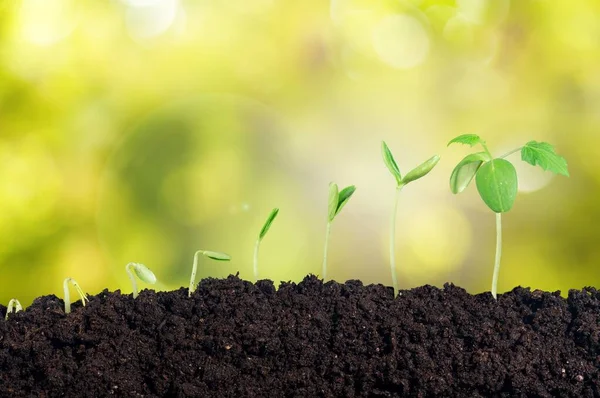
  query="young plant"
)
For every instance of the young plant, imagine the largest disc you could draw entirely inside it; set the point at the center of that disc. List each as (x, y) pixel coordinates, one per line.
(13, 303)
(68, 296)
(142, 272)
(337, 200)
(416, 173)
(262, 234)
(206, 253)
(496, 179)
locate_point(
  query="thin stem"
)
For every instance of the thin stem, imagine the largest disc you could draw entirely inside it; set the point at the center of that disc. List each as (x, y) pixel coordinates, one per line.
(67, 296)
(132, 279)
(511, 152)
(192, 288)
(485, 148)
(328, 230)
(498, 253)
(256, 259)
(393, 241)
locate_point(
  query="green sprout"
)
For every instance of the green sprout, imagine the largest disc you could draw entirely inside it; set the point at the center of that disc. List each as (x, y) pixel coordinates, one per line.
(418, 172)
(337, 200)
(68, 296)
(142, 272)
(13, 303)
(262, 234)
(496, 179)
(206, 253)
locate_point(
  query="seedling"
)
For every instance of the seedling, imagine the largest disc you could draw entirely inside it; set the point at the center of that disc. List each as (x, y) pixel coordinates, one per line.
(206, 253)
(337, 200)
(262, 234)
(142, 272)
(418, 172)
(68, 296)
(496, 179)
(13, 303)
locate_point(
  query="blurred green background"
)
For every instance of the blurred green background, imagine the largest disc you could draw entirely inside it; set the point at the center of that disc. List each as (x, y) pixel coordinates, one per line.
(143, 130)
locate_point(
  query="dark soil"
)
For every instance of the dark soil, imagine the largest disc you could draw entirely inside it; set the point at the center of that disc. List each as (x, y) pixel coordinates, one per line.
(237, 339)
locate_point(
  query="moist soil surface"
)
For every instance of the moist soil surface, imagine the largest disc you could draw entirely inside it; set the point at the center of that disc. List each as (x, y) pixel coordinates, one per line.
(233, 338)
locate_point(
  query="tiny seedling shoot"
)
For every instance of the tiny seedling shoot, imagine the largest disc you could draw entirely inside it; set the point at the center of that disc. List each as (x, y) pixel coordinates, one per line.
(337, 200)
(416, 173)
(68, 295)
(13, 304)
(262, 234)
(142, 272)
(496, 179)
(206, 253)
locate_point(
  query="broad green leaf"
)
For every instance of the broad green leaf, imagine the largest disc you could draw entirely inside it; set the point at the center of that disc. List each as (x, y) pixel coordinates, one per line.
(467, 139)
(268, 223)
(543, 154)
(344, 197)
(497, 184)
(421, 170)
(333, 200)
(465, 171)
(216, 255)
(389, 161)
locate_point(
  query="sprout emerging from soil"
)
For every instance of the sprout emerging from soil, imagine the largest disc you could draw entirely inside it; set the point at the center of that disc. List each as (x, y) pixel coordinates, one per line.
(262, 234)
(68, 296)
(418, 172)
(337, 200)
(496, 179)
(13, 303)
(206, 253)
(142, 272)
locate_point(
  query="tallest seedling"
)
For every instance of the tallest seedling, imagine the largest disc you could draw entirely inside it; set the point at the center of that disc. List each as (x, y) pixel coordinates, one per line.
(416, 173)
(496, 179)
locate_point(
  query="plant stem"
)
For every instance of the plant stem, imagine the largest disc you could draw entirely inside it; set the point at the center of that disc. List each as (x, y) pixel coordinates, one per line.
(328, 230)
(393, 241)
(498, 253)
(256, 259)
(192, 288)
(511, 152)
(132, 279)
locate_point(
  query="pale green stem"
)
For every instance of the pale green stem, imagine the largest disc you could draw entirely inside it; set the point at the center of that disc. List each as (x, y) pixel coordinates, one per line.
(328, 230)
(256, 259)
(498, 253)
(194, 269)
(13, 304)
(511, 152)
(68, 295)
(132, 279)
(393, 241)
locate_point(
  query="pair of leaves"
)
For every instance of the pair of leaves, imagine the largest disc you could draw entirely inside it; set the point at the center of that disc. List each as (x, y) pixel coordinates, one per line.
(338, 199)
(496, 179)
(268, 223)
(416, 173)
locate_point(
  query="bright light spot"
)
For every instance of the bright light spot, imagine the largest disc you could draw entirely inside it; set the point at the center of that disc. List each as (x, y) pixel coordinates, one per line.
(484, 11)
(440, 238)
(45, 22)
(147, 19)
(401, 41)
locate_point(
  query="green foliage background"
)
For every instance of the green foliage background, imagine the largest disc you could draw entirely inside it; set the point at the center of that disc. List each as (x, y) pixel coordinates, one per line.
(144, 130)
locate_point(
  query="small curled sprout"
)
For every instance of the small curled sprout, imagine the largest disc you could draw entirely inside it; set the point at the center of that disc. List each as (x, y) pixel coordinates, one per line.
(68, 296)
(142, 272)
(206, 253)
(13, 304)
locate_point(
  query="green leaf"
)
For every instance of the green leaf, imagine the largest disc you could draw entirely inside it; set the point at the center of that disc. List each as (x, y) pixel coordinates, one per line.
(268, 223)
(421, 170)
(333, 200)
(543, 154)
(465, 171)
(144, 273)
(467, 139)
(497, 184)
(344, 197)
(389, 161)
(216, 255)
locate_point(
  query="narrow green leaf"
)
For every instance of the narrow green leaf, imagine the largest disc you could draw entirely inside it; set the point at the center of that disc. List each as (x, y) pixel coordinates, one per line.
(268, 223)
(333, 201)
(344, 197)
(543, 154)
(421, 170)
(390, 162)
(467, 139)
(216, 255)
(497, 184)
(465, 171)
